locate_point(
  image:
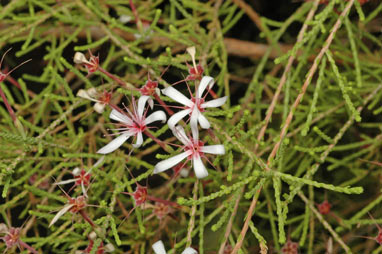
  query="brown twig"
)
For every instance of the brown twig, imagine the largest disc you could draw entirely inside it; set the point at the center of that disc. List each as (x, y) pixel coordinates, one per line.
(289, 118)
(284, 76)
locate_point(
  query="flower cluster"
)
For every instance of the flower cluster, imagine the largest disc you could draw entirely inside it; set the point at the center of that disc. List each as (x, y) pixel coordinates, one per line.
(134, 121)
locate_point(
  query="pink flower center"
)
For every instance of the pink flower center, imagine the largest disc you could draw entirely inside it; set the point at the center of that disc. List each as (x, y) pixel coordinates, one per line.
(140, 195)
(198, 103)
(12, 237)
(78, 204)
(195, 148)
(149, 87)
(83, 178)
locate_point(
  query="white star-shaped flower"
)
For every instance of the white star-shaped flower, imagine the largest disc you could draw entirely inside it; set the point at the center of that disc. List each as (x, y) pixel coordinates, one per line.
(194, 106)
(132, 124)
(194, 150)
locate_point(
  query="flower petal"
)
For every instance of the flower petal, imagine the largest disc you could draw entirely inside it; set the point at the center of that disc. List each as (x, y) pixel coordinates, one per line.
(203, 121)
(194, 123)
(65, 182)
(158, 248)
(83, 189)
(170, 162)
(177, 96)
(156, 116)
(189, 250)
(114, 144)
(99, 107)
(206, 81)
(199, 168)
(118, 116)
(84, 94)
(141, 105)
(100, 160)
(175, 118)
(180, 134)
(214, 103)
(139, 141)
(60, 213)
(214, 149)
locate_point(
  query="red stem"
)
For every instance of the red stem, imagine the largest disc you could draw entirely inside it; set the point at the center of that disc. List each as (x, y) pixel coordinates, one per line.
(132, 6)
(86, 217)
(159, 142)
(169, 111)
(26, 246)
(15, 83)
(113, 77)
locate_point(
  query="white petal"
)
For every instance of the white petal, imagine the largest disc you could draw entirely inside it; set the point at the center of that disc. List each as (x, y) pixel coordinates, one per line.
(156, 116)
(158, 248)
(83, 94)
(175, 118)
(199, 168)
(177, 96)
(214, 149)
(214, 103)
(170, 162)
(203, 121)
(99, 107)
(194, 123)
(60, 213)
(92, 92)
(118, 116)
(157, 91)
(139, 141)
(206, 81)
(189, 250)
(83, 189)
(179, 133)
(65, 182)
(141, 105)
(114, 144)
(100, 160)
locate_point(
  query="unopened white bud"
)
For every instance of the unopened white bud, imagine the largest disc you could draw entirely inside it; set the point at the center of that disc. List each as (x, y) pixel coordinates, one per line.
(99, 107)
(3, 228)
(109, 247)
(124, 18)
(76, 171)
(80, 58)
(93, 235)
(184, 172)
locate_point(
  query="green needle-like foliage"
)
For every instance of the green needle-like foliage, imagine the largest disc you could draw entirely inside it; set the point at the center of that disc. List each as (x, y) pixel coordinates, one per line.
(301, 126)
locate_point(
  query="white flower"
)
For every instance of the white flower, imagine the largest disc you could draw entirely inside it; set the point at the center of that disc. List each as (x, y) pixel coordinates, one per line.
(158, 248)
(132, 124)
(195, 105)
(194, 150)
(81, 177)
(92, 95)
